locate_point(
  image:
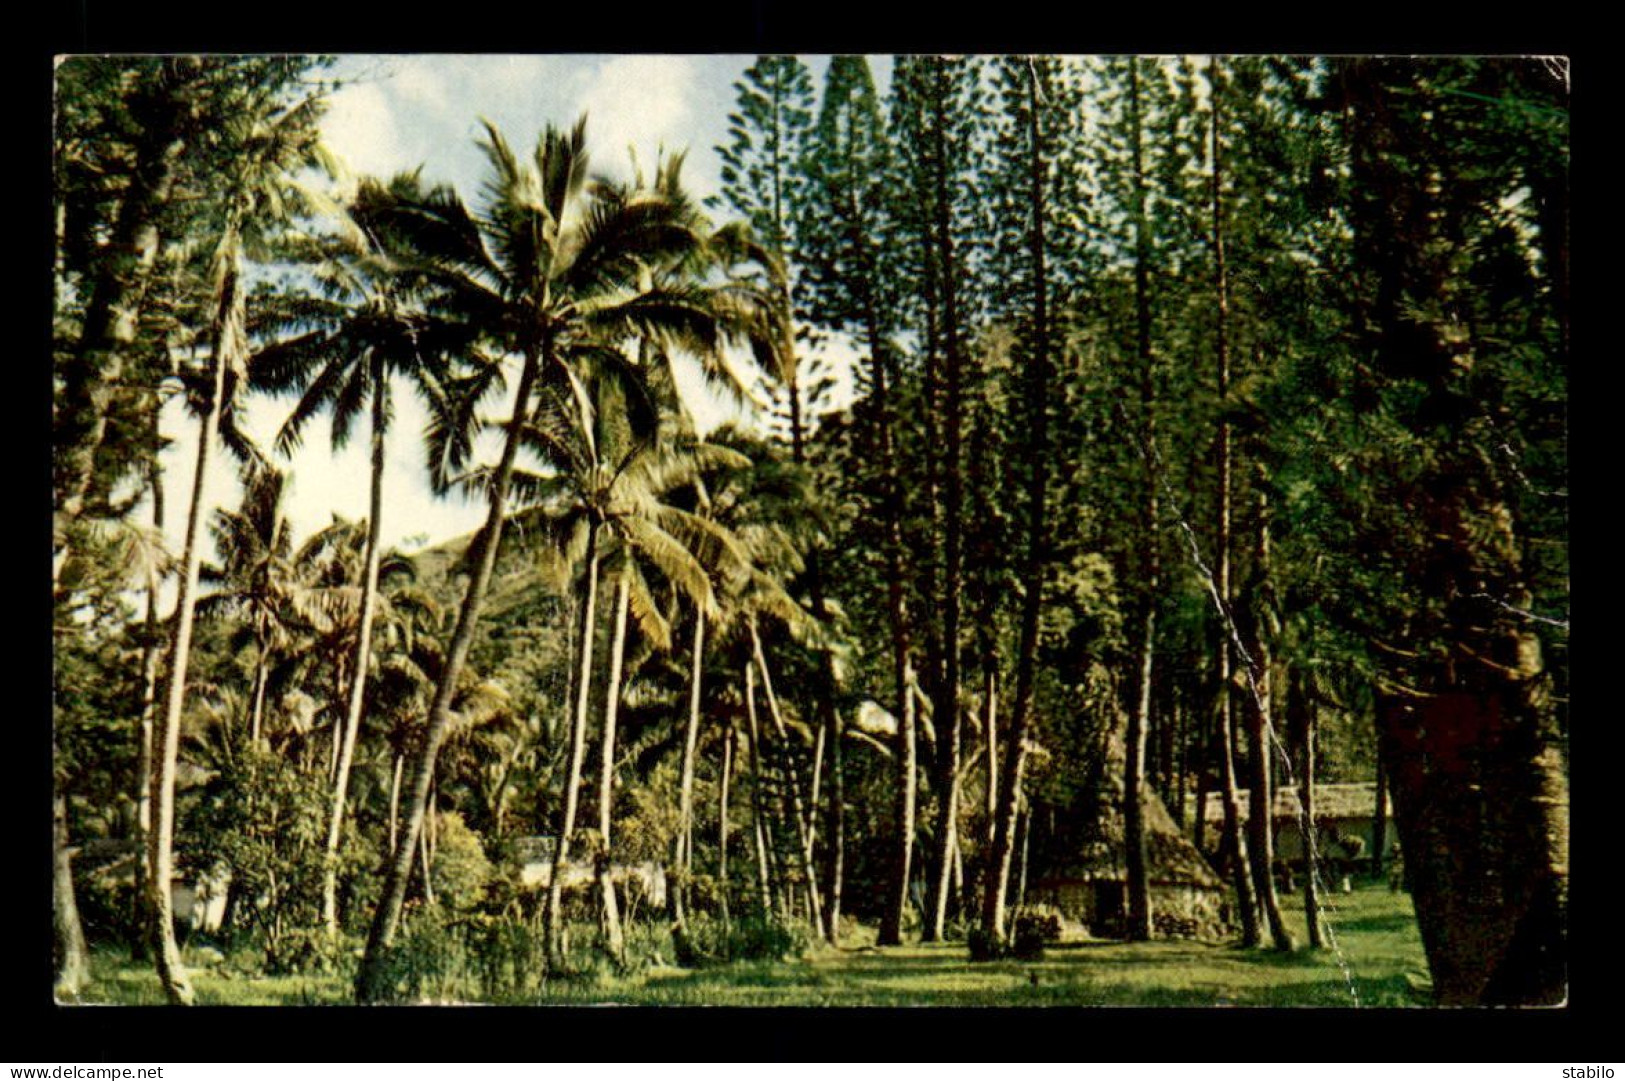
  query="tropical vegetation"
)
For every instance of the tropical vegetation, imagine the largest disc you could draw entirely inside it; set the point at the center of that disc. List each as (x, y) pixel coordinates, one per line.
(1210, 407)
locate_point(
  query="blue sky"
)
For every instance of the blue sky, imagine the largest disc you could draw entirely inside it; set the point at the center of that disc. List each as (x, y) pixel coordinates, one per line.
(400, 112)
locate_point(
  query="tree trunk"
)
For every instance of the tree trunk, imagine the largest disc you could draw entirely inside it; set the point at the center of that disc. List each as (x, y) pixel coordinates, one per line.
(1134, 829)
(1379, 821)
(228, 331)
(1481, 802)
(358, 668)
(837, 827)
(685, 798)
(1004, 799)
(369, 979)
(1260, 740)
(1301, 724)
(1234, 841)
(722, 819)
(151, 656)
(614, 941)
(553, 922)
(946, 710)
(1135, 855)
(891, 926)
(764, 860)
(803, 831)
(256, 708)
(72, 957)
(395, 803)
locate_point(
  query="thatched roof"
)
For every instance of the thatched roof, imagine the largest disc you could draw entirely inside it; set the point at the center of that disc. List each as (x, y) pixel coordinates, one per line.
(1332, 801)
(1173, 860)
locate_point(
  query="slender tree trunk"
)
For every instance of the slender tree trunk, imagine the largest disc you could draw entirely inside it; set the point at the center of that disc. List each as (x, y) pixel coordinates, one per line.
(426, 861)
(1260, 731)
(1379, 821)
(369, 979)
(1134, 828)
(395, 803)
(72, 956)
(802, 819)
(948, 721)
(553, 924)
(907, 757)
(614, 941)
(346, 739)
(228, 332)
(685, 799)
(1301, 724)
(1234, 841)
(151, 656)
(722, 819)
(1026, 824)
(1181, 757)
(764, 859)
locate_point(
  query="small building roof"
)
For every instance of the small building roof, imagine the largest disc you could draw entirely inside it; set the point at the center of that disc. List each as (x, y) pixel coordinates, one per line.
(1332, 801)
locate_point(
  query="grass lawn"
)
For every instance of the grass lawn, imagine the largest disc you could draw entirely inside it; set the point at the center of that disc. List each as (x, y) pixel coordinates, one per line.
(1378, 962)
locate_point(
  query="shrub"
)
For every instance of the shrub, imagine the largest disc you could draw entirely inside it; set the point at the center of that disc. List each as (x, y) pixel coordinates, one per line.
(708, 940)
(461, 869)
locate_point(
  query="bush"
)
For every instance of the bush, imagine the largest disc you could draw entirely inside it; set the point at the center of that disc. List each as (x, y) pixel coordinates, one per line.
(461, 869)
(984, 947)
(708, 941)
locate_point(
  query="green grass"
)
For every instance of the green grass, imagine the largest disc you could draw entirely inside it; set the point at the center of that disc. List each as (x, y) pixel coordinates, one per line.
(1379, 962)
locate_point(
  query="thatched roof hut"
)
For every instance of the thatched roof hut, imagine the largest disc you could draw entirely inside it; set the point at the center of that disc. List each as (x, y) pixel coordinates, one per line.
(1089, 884)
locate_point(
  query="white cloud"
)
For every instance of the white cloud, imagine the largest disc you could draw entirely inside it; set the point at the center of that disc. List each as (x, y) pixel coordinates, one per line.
(360, 128)
(642, 102)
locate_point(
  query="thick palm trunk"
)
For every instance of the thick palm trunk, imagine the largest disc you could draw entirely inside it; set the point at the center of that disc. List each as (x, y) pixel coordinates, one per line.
(553, 922)
(1233, 840)
(369, 979)
(358, 667)
(610, 913)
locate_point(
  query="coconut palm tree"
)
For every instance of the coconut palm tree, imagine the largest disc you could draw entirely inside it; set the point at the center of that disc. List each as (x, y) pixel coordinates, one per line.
(370, 324)
(609, 501)
(262, 145)
(557, 270)
(264, 582)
